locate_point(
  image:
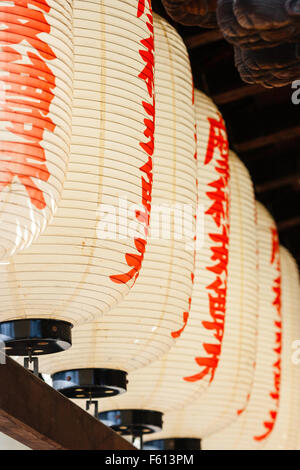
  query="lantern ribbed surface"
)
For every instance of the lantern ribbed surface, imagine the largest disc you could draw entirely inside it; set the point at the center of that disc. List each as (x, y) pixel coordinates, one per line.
(284, 436)
(75, 272)
(256, 424)
(285, 433)
(140, 329)
(161, 386)
(36, 74)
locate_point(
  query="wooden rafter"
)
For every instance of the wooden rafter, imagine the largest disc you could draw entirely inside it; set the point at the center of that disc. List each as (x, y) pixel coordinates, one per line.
(293, 180)
(271, 139)
(203, 38)
(237, 94)
(288, 224)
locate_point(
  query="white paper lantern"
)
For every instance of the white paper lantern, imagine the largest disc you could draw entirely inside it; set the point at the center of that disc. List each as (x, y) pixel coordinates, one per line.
(85, 262)
(161, 386)
(143, 327)
(256, 424)
(284, 435)
(36, 73)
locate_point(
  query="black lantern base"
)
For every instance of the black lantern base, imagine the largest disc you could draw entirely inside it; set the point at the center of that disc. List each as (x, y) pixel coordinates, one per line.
(34, 337)
(173, 444)
(133, 422)
(90, 383)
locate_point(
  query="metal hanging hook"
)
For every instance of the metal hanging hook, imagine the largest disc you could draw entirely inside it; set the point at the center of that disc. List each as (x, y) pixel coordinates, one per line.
(141, 441)
(31, 360)
(90, 403)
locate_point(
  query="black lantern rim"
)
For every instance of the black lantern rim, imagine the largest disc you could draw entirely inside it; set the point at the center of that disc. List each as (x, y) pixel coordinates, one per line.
(133, 422)
(175, 443)
(90, 383)
(35, 336)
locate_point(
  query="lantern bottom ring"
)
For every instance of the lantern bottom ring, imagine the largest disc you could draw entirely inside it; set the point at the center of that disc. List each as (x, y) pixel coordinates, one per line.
(173, 444)
(35, 336)
(90, 383)
(133, 422)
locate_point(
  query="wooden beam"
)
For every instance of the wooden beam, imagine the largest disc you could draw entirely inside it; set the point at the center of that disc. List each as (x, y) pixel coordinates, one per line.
(201, 39)
(237, 94)
(41, 418)
(289, 223)
(293, 180)
(271, 139)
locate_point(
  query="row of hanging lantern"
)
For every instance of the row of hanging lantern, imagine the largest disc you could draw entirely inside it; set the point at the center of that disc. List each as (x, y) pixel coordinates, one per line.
(210, 367)
(250, 431)
(140, 329)
(271, 419)
(198, 325)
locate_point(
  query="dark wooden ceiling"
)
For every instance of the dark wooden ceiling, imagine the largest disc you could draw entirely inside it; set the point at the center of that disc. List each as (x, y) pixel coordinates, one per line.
(263, 126)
